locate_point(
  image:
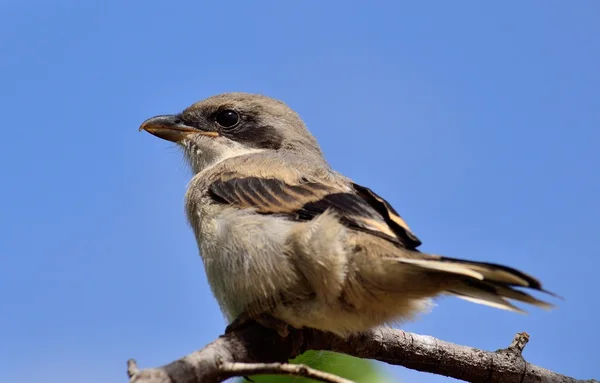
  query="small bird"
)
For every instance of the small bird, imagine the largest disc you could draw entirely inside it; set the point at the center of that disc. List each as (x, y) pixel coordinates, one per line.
(284, 238)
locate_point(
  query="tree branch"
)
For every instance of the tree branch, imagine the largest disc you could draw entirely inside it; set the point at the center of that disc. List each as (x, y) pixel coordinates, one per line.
(258, 345)
(244, 369)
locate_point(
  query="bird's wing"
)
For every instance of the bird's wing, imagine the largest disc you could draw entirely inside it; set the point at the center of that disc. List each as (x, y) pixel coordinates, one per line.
(358, 207)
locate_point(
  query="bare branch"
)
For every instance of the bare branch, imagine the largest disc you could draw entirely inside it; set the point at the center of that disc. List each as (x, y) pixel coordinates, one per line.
(132, 368)
(518, 344)
(245, 369)
(255, 344)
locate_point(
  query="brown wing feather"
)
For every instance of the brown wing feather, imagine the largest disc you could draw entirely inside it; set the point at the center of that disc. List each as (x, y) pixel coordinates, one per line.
(362, 210)
(390, 215)
(266, 195)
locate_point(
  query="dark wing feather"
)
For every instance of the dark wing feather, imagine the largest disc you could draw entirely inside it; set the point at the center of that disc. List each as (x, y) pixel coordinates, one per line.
(390, 215)
(361, 210)
(266, 195)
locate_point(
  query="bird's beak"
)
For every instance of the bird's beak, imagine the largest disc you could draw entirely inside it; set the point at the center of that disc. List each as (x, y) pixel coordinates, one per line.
(171, 128)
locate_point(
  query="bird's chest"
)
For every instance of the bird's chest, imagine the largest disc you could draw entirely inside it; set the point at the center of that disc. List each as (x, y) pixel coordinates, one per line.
(244, 254)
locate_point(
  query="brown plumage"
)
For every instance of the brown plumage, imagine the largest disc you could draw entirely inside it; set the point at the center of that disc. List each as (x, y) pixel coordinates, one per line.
(282, 233)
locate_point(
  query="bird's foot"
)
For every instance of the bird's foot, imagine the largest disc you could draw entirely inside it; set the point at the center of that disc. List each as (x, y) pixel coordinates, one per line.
(265, 320)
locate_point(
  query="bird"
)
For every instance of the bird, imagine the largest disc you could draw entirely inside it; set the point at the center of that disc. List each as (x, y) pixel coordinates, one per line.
(287, 241)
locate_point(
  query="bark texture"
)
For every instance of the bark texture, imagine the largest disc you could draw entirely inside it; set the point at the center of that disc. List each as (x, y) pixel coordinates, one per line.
(257, 345)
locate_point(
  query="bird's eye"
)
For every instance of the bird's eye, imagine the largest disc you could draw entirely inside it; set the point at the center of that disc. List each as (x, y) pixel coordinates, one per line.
(227, 118)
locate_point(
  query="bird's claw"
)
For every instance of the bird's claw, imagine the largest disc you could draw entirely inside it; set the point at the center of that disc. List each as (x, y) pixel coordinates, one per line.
(265, 320)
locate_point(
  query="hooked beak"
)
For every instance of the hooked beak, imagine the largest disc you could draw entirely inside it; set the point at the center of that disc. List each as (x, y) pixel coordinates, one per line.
(171, 128)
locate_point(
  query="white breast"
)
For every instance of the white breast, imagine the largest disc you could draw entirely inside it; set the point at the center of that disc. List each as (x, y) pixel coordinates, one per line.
(244, 257)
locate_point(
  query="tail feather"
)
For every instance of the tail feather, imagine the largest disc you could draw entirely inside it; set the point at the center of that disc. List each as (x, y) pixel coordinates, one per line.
(487, 299)
(521, 296)
(484, 283)
(444, 267)
(494, 294)
(499, 273)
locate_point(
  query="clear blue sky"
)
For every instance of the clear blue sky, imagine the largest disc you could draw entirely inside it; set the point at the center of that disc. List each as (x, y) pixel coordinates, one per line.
(479, 122)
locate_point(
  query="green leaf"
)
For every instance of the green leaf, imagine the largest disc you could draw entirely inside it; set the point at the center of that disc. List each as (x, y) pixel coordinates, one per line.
(355, 369)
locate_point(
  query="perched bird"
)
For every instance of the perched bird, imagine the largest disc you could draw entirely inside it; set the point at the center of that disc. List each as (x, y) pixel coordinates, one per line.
(282, 235)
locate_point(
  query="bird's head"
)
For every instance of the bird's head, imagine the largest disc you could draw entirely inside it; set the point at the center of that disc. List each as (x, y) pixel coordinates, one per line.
(232, 124)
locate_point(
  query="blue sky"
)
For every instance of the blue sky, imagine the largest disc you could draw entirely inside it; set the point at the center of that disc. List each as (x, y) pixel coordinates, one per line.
(479, 122)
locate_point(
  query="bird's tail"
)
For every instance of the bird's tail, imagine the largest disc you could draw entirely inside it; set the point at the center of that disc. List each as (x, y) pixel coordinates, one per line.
(484, 283)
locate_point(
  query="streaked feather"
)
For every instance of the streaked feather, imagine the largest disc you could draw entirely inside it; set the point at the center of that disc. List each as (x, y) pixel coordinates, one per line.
(359, 207)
